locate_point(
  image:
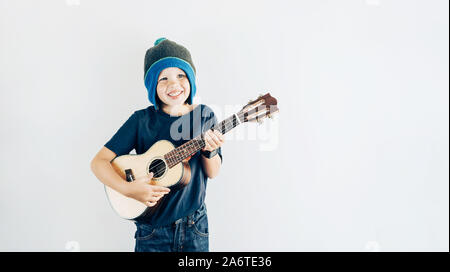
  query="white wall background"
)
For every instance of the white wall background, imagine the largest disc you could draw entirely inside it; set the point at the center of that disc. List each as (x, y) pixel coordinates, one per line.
(356, 160)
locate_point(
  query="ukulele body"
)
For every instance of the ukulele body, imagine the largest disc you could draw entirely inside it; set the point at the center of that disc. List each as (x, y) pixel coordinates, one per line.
(131, 167)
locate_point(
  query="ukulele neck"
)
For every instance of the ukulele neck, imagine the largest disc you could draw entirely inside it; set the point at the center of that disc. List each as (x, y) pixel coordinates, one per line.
(193, 146)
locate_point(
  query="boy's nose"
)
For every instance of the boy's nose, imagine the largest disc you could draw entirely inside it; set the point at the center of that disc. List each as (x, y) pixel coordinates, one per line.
(173, 81)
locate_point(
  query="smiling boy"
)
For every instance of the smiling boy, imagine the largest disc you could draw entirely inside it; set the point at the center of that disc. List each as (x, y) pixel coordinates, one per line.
(180, 223)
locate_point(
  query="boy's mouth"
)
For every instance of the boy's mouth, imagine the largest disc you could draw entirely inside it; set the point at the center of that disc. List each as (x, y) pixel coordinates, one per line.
(175, 94)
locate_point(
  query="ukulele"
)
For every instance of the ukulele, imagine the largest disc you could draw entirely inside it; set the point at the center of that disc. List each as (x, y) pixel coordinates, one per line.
(170, 165)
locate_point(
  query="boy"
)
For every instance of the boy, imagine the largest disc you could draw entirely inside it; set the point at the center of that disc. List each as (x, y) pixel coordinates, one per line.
(180, 223)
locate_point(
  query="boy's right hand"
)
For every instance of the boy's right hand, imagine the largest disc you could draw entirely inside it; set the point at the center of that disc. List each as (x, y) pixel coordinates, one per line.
(142, 191)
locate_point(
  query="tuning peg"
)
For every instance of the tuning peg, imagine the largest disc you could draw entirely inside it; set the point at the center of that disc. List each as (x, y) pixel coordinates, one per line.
(269, 116)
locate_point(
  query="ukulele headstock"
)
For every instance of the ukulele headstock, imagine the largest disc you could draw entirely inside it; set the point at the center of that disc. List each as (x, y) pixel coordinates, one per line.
(258, 109)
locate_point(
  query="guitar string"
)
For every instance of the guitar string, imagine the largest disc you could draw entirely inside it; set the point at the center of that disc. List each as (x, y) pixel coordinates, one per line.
(226, 122)
(162, 170)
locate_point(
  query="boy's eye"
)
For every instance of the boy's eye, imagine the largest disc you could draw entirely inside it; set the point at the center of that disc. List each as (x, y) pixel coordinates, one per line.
(179, 75)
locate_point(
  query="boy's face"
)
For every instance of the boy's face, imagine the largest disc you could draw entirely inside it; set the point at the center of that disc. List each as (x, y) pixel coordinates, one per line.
(173, 86)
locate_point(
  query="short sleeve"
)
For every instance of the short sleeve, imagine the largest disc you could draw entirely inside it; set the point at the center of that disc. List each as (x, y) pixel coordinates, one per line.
(125, 138)
(211, 121)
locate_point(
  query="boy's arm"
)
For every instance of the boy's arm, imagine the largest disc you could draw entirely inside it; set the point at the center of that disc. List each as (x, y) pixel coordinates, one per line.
(211, 166)
(103, 170)
(213, 140)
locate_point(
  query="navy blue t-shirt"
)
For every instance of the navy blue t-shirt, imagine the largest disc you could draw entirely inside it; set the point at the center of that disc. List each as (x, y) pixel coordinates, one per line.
(147, 126)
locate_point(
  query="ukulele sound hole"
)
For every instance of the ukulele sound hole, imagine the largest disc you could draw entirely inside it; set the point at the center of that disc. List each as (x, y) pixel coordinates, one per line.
(158, 167)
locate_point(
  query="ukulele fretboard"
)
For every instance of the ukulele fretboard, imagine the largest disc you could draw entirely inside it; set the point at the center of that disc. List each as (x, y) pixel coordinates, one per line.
(193, 146)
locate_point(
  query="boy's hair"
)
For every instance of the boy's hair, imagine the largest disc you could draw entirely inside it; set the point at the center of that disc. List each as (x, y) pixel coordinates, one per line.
(164, 54)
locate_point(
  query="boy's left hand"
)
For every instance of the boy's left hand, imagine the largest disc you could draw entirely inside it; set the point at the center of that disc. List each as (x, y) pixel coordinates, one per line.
(213, 140)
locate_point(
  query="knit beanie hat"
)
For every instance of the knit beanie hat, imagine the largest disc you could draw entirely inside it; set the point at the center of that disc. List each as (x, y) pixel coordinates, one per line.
(164, 54)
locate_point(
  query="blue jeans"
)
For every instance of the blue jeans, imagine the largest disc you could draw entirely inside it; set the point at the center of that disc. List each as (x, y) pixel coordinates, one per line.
(187, 234)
